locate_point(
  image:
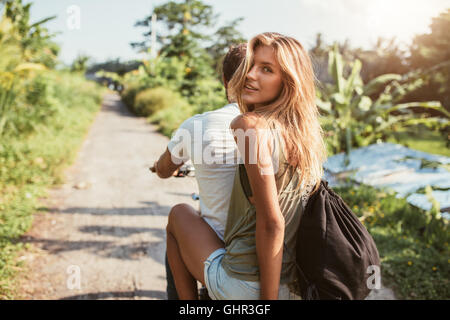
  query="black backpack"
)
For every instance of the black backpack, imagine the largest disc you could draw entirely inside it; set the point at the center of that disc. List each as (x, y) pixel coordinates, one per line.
(334, 250)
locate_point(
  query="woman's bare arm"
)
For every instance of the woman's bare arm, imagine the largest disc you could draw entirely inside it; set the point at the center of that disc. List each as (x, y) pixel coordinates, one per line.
(269, 219)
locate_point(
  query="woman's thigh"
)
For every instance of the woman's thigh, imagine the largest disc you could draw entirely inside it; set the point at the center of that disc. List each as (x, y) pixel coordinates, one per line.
(196, 240)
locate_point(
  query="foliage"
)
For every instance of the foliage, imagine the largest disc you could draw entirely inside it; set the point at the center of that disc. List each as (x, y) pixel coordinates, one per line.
(224, 37)
(184, 21)
(361, 116)
(33, 38)
(43, 117)
(80, 64)
(169, 119)
(149, 101)
(30, 162)
(25, 52)
(187, 60)
(431, 51)
(419, 138)
(413, 243)
(433, 48)
(115, 66)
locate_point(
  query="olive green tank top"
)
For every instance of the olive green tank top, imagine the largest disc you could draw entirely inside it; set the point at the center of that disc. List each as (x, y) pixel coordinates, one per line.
(240, 260)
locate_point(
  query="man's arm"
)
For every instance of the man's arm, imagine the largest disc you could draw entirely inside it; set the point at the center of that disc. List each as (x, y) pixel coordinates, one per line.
(165, 167)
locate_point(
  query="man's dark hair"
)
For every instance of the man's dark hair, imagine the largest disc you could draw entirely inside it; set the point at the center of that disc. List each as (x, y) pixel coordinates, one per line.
(232, 60)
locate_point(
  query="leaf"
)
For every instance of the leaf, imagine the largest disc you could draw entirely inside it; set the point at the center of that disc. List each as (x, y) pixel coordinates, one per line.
(42, 21)
(336, 68)
(338, 98)
(380, 81)
(29, 66)
(365, 103)
(352, 81)
(434, 105)
(324, 105)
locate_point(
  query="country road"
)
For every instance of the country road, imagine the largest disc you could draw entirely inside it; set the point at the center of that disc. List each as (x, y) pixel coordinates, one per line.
(106, 224)
(103, 235)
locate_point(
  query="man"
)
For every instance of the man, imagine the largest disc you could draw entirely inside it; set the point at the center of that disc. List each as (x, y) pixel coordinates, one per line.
(206, 140)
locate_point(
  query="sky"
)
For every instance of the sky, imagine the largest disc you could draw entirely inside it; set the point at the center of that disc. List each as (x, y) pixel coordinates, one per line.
(103, 29)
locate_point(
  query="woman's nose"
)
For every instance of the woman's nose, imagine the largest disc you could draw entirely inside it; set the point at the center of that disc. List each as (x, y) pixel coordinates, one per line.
(252, 73)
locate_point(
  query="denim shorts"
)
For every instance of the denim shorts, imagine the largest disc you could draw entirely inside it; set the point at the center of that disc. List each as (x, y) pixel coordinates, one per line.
(223, 287)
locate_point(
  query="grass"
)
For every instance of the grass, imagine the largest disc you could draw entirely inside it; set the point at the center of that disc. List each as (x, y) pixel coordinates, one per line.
(32, 163)
(412, 243)
(424, 140)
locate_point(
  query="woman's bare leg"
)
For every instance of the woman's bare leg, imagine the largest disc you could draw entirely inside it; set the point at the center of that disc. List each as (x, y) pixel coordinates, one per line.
(185, 283)
(190, 241)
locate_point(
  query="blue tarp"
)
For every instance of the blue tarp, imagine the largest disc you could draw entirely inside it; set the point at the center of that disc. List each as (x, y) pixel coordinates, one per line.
(398, 168)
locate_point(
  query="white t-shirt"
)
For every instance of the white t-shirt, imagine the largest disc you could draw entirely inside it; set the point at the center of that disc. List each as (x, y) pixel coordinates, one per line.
(207, 141)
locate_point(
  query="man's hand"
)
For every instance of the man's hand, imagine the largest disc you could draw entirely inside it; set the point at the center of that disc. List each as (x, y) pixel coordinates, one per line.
(153, 169)
(164, 167)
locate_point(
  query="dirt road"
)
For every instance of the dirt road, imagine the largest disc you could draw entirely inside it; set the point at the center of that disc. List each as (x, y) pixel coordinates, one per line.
(104, 235)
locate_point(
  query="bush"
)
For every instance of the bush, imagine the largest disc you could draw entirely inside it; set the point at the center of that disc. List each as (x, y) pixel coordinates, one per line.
(209, 94)
(129, 94)
(33, 160)
(169, 119)
(413, 245)
(150, 101)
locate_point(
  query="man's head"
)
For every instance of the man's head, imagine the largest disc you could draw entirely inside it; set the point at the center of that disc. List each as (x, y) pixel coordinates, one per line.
(232, 60)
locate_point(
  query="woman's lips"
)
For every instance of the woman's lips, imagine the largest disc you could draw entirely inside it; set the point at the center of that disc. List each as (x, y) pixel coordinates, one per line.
(250, 88)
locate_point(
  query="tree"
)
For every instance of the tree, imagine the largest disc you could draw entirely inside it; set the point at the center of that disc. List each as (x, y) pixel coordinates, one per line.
(35, 39)
(430, 53)
(184, 41)
(182, 22)
(184, 32)
(80, 64)
(223, 38)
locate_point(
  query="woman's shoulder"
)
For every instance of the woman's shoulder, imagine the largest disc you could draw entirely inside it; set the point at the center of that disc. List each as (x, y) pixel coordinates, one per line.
(249, 120)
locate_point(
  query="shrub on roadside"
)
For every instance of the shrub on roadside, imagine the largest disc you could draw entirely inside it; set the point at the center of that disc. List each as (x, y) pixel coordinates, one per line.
(169, 119)
(413, 247)
(149, 101)
(33, 160)
(208, 95)
(129, 94)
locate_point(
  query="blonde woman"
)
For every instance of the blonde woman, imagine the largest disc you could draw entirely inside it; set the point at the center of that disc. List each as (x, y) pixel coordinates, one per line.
(280, 141)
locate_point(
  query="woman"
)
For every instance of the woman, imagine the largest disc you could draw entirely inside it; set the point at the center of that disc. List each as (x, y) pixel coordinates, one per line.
(280, 140)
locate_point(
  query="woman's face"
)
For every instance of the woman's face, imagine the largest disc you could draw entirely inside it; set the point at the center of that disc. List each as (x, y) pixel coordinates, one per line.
(263, 83)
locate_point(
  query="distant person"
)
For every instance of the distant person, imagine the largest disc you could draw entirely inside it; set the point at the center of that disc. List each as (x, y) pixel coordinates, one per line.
(208, 132)
(275, 91)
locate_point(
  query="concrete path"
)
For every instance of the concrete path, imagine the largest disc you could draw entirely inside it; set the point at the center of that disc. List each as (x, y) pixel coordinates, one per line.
(104, 237)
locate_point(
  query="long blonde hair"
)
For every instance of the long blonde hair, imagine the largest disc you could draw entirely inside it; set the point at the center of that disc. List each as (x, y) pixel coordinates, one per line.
(294, 113)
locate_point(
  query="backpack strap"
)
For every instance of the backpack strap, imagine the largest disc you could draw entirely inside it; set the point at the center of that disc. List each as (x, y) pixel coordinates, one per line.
(312, 293)
(244, 181)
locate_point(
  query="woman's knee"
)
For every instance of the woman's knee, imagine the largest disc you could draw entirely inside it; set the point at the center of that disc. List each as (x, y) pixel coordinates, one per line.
(177, 213)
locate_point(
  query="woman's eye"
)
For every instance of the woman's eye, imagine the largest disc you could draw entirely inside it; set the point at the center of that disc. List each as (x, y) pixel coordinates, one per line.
(267, 69)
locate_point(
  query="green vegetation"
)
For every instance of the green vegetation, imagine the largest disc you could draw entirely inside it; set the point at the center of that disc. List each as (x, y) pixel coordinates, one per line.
(413, 243)
(384, 94)
(423, 140)
(363, 114)
(44, 115)
(187, 63)
(30, 163)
